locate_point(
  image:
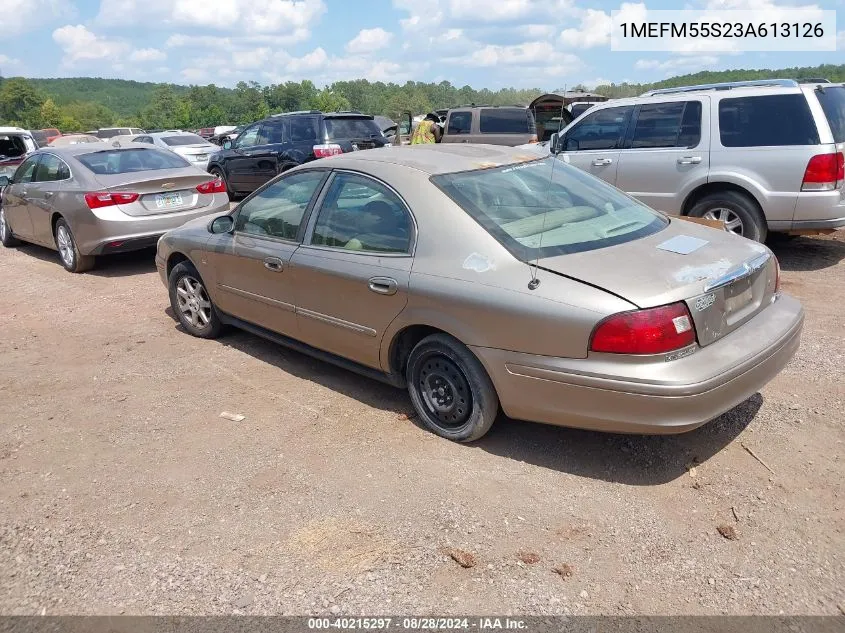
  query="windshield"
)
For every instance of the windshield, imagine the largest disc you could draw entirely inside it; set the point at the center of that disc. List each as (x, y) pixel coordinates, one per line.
(184, 139)
(832, 100)
(351, 128)
(545, 208)
(121, 161)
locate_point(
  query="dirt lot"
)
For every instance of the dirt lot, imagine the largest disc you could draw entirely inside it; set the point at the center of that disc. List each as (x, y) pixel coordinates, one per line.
(123, 491)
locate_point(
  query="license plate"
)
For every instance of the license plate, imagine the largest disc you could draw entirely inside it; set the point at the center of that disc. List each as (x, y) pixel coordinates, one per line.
(168, 200)
(737, 302)
(200, 157)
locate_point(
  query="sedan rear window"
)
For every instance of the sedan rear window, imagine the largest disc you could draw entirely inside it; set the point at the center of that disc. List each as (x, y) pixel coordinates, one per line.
(546, 208)
(122, 161)
(346, 128)
(184, 139)
(832, 101)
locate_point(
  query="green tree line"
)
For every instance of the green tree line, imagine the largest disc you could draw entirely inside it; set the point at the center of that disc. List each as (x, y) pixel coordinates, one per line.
(79, 104)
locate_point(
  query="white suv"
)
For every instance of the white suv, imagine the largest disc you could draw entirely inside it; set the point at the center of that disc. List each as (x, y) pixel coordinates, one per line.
(15, 144)
(759, 155)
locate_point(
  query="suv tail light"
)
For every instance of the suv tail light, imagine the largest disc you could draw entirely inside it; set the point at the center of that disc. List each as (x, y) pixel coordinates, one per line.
(212, 186)
(105, 199)
(328, 149)
(825, 172)
(650, 331)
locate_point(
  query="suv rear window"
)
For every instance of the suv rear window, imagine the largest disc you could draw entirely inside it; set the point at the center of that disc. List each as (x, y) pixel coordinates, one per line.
(122, 161)
(506, 121)
(766, 121)
(11, 146)
(544, 208)
(832, 101)
(349, 128)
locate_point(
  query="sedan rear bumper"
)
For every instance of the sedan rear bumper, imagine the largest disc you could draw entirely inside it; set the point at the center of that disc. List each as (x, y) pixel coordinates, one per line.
(628, 395)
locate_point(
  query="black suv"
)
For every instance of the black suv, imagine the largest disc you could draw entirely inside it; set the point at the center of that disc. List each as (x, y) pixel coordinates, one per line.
(269, 147)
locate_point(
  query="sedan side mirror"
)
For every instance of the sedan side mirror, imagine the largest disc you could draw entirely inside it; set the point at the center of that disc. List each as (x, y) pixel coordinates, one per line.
(227, 144)
(222, 224)
(5, 181)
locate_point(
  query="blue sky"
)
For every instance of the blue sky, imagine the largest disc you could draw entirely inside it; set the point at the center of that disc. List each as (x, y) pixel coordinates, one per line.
(484, 43)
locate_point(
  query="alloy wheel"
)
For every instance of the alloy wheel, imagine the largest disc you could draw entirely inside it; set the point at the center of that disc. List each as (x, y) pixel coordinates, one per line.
(445, 391)
(65, 244)
(193, 301)
(733, 222)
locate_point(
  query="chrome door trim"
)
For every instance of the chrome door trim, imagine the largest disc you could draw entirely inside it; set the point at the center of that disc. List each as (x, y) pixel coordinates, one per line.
(288, 307)
(347, 325)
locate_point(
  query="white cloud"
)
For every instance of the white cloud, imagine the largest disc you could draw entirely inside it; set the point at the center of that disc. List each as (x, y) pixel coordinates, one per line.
(278, 17)
(676, 64)
(20, 16)
(80, 44)
(528, 54)
(840, 40)
(5, 60)
(594, 30)
(590, 84)
(369, 40)
(147, 55)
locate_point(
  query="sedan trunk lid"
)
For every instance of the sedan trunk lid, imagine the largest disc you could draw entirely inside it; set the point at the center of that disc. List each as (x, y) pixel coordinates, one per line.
(724, 279)
(161, 191)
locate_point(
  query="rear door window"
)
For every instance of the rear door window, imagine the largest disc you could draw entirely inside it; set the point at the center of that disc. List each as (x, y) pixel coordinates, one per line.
(673, 124)
(832, 101)
(766, 121)
(506, 121)
(459, 123)
(275, 131)
(304, 129)
(50, 169)
(600, 130)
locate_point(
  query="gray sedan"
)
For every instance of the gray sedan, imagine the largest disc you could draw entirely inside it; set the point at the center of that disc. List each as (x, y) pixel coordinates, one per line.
(484, 278)
(93, 199)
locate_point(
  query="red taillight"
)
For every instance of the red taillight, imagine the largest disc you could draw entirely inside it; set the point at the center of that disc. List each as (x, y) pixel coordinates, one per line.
(329, 149)
(104, 199)
(650, 331)
(212, 186)
(825, 172)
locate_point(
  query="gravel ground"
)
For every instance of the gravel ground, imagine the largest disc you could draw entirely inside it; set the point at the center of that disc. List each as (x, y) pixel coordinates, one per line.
(123, 491)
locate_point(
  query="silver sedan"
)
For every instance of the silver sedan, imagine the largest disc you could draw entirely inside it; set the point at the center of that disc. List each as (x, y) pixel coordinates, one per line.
(193, 148)
(94, 199)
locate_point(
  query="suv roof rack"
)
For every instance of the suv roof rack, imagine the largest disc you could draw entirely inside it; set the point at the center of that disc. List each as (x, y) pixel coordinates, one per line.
(812, 80)
(728, 85)
(296, 112)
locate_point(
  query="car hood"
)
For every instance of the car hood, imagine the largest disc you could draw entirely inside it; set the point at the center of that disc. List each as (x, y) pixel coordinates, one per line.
(724, 282)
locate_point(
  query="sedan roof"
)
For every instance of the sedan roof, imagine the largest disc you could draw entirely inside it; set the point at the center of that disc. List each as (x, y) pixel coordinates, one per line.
(438, 159)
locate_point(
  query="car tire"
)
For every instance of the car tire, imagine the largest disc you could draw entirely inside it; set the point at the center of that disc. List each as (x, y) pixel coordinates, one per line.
(218, 173)
(69, 255)
(7, 238)
(450, 390)
(191, 302)
(733, 207)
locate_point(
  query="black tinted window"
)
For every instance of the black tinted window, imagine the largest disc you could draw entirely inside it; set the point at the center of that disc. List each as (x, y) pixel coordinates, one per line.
(111, 133)
(274, 131)
(360, 214)
(833, 104)
(768, 120)
(506, 121)
(351, 128)
(51, 168)
(122, 161)
(603, 129)
(183, 139)
(277, 211)
(675, 124)
(460, 123)
(303, 129)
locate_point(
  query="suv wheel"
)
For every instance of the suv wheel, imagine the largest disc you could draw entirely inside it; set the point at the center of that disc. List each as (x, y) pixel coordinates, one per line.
(218, 173)
(740, 214)
(72, 259)
(191, 303)
(450, 390)
(6, 238)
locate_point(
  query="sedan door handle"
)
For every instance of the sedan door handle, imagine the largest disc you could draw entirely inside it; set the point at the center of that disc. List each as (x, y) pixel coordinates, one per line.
(689, 160)
(601, 162)
(48, 194)
(274, 264)
(383, 285)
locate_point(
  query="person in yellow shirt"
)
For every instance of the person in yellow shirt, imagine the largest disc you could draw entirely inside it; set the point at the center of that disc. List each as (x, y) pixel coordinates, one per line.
(428, 131)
